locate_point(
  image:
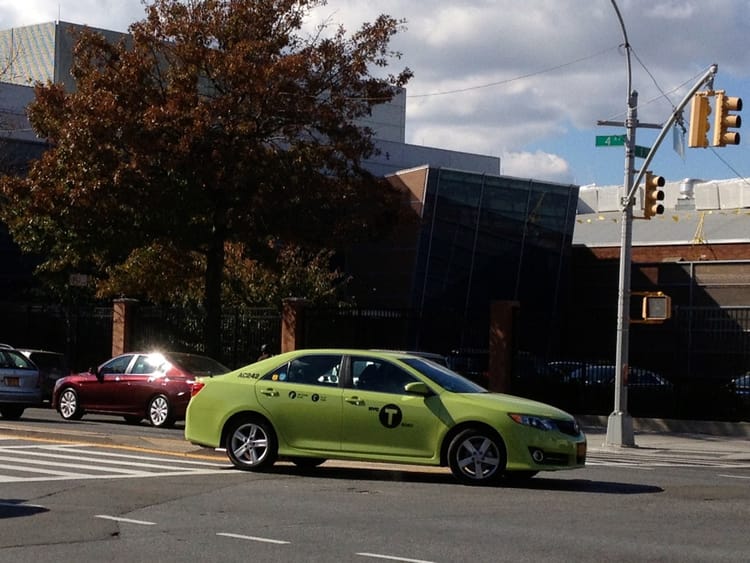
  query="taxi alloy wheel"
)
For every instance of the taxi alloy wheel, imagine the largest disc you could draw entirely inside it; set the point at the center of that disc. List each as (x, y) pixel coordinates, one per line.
(251, 444)
(69, 407)
(477, 457)
(160, 412)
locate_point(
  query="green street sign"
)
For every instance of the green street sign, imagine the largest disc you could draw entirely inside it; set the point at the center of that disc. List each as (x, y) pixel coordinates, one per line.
(641, 152)
(610, 140)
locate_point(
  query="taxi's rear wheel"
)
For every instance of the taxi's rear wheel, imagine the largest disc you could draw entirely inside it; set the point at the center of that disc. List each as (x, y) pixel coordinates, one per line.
(477, 457)
(251, 444)
(69, 407)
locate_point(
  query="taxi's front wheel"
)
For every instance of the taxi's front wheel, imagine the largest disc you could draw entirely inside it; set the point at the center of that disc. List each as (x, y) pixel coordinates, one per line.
(477, 457)
(251, 444)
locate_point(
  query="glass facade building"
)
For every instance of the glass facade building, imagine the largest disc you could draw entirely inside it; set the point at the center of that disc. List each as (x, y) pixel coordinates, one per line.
(485, 238)
(478, 238)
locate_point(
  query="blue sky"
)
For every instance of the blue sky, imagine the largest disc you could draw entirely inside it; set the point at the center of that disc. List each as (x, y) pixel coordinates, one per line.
(527, 81)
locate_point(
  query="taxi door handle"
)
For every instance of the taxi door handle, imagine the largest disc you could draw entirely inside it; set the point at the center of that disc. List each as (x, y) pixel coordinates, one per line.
(355, 400)
(270, 392)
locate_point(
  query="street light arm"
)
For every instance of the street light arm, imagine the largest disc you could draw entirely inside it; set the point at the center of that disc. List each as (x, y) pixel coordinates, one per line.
(626, 45)
(708, 77)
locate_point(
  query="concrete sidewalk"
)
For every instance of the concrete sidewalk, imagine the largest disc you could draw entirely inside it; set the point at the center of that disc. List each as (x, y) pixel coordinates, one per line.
(730, 440)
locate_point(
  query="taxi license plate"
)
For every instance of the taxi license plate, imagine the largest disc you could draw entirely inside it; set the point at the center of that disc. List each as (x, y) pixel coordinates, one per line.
(581, 450)
(12, 382)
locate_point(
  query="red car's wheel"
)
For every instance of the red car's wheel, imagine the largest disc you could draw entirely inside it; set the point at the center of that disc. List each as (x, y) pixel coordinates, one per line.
(68, 405)
(160, 412)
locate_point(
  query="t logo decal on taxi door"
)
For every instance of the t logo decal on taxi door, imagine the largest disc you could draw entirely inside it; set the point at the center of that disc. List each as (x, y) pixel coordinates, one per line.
(390, 416)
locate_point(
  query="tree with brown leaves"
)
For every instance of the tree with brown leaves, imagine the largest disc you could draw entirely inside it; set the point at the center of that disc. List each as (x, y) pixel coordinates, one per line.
(214, 124)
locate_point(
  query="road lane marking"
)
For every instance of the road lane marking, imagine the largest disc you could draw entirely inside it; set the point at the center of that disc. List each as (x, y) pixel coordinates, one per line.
(251, 538)
(125, 520)
(392, 558)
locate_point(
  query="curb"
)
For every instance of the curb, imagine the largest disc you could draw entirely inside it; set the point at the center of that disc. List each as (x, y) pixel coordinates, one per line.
(674, 426)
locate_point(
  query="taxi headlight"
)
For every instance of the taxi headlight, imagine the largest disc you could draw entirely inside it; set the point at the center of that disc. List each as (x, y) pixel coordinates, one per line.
(538, 422)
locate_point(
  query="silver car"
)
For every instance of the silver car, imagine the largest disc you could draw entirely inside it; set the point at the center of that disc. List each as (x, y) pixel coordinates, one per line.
(20, 386)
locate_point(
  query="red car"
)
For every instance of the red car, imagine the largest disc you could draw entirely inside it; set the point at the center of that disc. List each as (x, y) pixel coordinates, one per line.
(153, 385)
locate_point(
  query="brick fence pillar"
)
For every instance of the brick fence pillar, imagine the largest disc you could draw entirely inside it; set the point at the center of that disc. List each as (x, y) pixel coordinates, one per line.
(292, 324)
(502, 318)
(122, 325)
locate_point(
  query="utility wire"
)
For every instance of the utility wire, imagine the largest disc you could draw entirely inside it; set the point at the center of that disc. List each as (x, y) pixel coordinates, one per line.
(509, 80)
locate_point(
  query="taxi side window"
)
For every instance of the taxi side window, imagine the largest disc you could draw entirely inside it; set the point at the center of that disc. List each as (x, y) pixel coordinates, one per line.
(309, 370)
(370, 374)
(279, 374)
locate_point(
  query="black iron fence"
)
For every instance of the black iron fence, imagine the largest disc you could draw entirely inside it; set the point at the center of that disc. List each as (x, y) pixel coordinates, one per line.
(694, 366)
(444, 331)
(699, 359)
(84, 333)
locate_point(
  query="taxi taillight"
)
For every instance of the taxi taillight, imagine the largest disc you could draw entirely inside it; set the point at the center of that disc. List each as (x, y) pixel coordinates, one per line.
(197, 386)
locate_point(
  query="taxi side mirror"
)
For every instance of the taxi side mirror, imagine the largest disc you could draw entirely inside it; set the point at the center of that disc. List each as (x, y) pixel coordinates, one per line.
(418, 388)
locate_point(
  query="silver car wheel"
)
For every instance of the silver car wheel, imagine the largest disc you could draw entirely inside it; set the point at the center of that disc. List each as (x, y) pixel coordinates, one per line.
(69, 408)
(158, 411)
(251, 445)
(476, 457)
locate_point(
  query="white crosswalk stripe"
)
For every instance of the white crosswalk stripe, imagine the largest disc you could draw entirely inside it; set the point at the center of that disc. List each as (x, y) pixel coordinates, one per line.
(56, 462)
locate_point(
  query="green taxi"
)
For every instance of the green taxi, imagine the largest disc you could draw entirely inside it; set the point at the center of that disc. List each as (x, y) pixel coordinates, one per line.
(308, 406)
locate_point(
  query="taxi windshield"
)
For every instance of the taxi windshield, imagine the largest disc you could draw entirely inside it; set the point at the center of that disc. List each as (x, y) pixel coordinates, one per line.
(447, 379)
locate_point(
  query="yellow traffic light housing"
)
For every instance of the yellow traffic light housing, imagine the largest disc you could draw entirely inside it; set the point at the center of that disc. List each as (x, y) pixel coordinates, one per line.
(655, 307)
(723, 120)
(699, 124)
(653, 195)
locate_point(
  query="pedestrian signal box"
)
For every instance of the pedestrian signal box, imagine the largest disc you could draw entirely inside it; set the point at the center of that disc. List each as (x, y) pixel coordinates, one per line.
(656, 307)
(650, 307)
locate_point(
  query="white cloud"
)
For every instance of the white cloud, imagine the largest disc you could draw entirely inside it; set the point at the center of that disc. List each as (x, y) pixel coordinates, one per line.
(537, 165)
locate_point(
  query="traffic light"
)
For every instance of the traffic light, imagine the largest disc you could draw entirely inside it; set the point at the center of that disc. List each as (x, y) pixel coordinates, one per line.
(723, 120)
(699, 124)
(652, 195)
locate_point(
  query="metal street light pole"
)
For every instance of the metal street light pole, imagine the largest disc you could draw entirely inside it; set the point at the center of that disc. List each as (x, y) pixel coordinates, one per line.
(619, 423)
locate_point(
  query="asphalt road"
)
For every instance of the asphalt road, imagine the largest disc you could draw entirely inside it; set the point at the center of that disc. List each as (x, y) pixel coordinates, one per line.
(120, 502)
